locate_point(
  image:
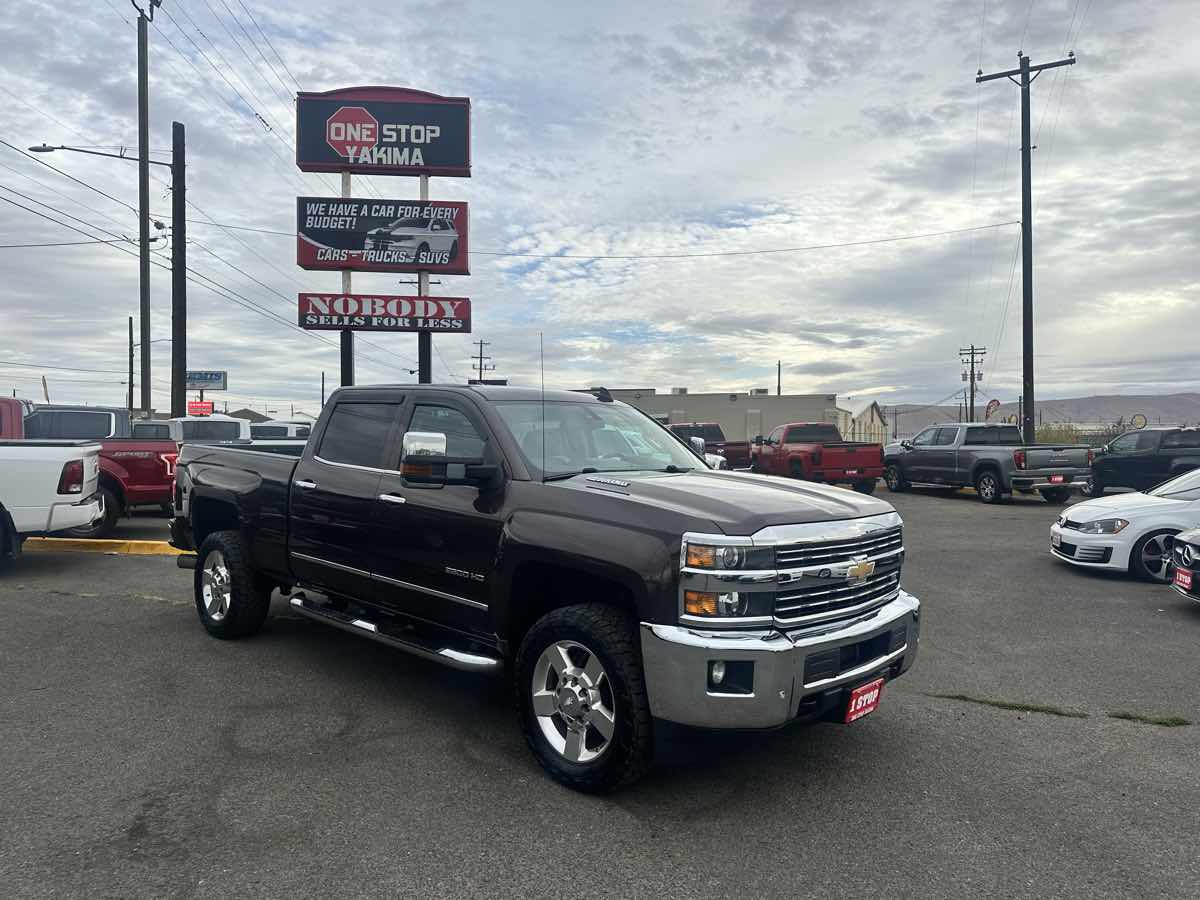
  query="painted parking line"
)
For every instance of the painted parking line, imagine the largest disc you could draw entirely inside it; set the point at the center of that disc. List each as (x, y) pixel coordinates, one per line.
(84, 545)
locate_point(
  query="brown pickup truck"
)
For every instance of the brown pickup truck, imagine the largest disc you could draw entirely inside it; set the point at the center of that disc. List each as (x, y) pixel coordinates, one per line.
(736, 453)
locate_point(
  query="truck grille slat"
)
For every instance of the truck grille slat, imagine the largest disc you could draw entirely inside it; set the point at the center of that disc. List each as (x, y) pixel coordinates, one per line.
(872, 589)
(795, 555)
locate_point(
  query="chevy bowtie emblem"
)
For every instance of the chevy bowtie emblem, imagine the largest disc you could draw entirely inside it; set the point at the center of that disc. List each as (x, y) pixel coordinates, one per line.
(860, 569)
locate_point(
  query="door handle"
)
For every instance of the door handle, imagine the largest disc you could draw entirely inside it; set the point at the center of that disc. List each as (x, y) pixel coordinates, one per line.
(392, 498)
(306, 485)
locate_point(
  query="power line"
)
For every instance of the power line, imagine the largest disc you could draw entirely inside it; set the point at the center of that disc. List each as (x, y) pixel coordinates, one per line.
(90, 187)
(58, 244)
(269, 44)
(25, 365)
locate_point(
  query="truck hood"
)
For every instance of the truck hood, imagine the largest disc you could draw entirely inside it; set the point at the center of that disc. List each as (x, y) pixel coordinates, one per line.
(735, 502)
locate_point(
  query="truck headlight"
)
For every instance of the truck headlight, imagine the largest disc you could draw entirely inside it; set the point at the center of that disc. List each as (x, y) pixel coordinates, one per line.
(1103, 526)
(726, 557)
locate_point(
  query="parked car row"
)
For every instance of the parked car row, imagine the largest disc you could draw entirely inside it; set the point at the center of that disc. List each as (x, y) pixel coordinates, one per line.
(136, 459)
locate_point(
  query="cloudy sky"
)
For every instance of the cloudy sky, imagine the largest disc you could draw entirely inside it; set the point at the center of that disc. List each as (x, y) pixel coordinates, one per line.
(624, 155)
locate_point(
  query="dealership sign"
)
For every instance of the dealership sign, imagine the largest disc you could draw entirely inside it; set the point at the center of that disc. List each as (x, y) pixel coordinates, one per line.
(381, 235)
(383, 131)
(384, 312)
(205, 380)
(199, 407)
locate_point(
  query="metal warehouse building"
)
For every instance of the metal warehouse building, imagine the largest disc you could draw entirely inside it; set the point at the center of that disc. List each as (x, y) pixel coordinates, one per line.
(741, 416)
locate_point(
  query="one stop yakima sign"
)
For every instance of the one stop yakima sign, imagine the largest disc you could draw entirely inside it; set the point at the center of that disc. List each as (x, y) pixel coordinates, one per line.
(351, 131)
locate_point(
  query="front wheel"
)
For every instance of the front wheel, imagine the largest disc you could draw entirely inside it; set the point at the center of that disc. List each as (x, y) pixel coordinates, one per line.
(894, 479)
(1059, 495)
(231, 602)
(581, 697)
(1150, 556)
(865, 486)
(987, 486)
(1093, 487)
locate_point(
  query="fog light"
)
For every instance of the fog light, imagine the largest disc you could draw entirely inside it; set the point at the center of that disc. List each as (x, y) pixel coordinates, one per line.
(717, 672)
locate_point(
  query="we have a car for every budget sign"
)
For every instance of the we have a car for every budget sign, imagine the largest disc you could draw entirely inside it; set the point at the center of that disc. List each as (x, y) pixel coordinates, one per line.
(382, 235)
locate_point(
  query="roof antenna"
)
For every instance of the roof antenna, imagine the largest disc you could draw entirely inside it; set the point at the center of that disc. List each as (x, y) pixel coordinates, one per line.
(542, 361)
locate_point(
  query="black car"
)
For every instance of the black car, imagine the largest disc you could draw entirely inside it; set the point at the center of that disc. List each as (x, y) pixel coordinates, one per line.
(1144, 458)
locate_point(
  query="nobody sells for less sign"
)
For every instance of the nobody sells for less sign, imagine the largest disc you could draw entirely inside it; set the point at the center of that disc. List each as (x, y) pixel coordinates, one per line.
(384, 312)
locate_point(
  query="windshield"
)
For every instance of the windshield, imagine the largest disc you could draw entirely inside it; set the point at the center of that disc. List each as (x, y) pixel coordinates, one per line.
(1184, 487)
(597, 437)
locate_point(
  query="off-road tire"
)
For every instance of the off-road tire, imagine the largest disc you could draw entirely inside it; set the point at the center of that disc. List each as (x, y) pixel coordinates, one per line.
(894, 478)
(612, 635)
(865, 486)
(250, 599)
(1137, 566)
(988, 486)
(106, 524)
(1058, 495)
(796, 470)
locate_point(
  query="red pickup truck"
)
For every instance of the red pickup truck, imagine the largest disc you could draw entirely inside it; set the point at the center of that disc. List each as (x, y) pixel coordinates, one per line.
(133, 472)
(736, 453)
(815, 451)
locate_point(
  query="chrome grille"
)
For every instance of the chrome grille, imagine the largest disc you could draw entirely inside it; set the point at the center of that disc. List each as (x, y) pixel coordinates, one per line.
(826, 600)
(792, 556)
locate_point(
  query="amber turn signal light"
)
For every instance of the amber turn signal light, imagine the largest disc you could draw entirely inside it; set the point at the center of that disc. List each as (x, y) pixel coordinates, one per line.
(699, 603)
(701, 557)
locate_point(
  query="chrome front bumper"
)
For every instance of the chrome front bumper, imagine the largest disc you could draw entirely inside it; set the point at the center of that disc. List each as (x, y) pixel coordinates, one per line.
(677, 663)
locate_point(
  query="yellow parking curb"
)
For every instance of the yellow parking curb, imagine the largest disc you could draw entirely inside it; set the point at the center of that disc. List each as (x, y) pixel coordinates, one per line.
(84, 545)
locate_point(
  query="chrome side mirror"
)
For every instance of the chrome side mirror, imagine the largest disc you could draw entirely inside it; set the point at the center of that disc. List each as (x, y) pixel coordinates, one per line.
(699, 445)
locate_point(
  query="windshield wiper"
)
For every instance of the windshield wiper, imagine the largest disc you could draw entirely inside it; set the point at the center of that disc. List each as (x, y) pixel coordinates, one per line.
(672, 468)
(562, 476)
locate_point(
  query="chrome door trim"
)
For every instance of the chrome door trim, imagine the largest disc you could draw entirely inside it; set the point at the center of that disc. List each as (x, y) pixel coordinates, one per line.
(392, 498)
(332, 565)
(342, 465)
(306, 485)
(407, 585)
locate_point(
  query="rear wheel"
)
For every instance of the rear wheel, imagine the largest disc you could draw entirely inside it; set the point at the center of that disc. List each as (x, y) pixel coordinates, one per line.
(987, 486)
(107, 523)
(1150, 555)
(1093, 487)
(581, 697)
(231, 602)
(894, 479)
(1058, 495)
(865, 486)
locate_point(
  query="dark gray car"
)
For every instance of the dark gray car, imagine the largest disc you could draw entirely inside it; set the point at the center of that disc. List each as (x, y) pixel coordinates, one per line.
(990, 458)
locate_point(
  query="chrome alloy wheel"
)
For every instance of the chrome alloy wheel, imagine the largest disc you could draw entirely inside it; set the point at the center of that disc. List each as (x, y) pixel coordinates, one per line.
(215, 586)
(573, 701)
(1155, 557)
(987, 487)
(891, 475)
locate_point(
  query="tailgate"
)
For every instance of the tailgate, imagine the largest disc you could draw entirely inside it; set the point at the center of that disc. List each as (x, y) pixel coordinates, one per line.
(841, 456)
(1065, 457)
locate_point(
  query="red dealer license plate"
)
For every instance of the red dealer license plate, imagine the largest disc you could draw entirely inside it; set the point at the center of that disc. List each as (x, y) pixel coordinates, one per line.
(864, 700)
(1056, 479)
(1183, 579)
(852, 471)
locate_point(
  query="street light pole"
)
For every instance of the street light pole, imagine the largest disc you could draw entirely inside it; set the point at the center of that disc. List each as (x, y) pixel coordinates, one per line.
(144, 203)
(178, 273)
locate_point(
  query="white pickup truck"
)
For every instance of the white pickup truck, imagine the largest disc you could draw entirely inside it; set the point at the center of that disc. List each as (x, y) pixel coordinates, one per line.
(46, 486)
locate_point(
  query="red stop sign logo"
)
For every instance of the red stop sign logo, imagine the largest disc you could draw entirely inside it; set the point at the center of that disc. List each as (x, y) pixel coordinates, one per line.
(351, 130)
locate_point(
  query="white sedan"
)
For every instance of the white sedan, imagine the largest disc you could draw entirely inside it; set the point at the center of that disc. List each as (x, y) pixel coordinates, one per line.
(1126, 532)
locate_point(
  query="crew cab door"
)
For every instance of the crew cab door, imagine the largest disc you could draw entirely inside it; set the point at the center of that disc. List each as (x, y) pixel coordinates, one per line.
(1130, 460)
(940, 459)
(334, 494)
(434, 547)
(770, 452)
(915, 461)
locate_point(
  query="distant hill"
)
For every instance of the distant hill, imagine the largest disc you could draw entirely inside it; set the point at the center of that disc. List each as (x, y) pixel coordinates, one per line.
(1181, 409)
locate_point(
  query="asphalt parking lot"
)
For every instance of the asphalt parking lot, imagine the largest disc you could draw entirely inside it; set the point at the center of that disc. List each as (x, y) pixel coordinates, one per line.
(142, 758)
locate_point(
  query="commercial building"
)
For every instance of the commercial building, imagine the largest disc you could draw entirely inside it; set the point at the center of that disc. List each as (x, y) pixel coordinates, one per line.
(741, 416)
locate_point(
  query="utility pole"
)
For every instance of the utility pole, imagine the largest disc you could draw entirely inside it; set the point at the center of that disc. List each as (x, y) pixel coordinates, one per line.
(144, 195)
(322, 390)
(480, 358)
(130, 386)
(178, 272)
(968, 355)
(1028, 74)
(779, 378)
(424, 338)
(895, 423)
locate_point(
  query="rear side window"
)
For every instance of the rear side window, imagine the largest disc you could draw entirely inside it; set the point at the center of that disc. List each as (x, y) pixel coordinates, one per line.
(994, 435)
(268, 431)
(1189, 439)
(712, 433)
(69, 425)
(686, 431)
(816, 434)
(357, 434)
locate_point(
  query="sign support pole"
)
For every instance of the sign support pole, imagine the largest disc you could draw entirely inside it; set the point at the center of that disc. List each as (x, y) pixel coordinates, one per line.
(347, 334)
(424, 338)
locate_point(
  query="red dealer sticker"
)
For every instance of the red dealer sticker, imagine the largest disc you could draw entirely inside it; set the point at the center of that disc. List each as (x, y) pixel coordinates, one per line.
(384, 312)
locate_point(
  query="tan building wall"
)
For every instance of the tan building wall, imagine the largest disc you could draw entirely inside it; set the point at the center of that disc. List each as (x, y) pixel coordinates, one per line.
(741, 416)
(869, 425)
